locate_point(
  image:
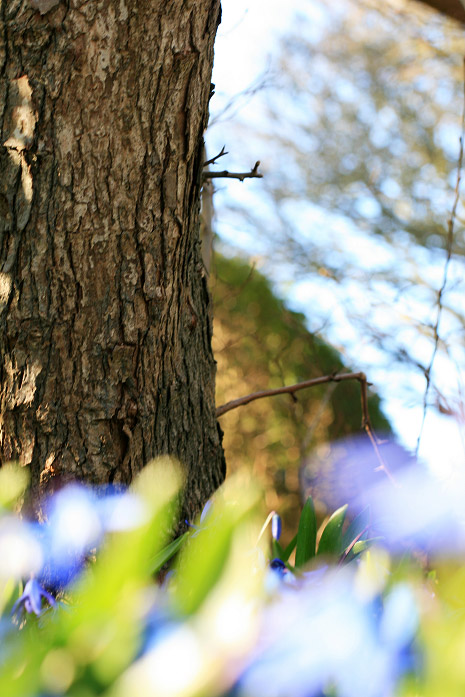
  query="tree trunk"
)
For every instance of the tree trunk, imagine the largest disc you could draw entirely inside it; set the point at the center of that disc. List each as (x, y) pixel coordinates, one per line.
(105, 327)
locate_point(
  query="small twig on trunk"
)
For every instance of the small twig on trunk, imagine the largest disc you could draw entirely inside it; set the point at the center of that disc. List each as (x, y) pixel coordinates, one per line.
(254, 173)
(217, 157)
(291, 389)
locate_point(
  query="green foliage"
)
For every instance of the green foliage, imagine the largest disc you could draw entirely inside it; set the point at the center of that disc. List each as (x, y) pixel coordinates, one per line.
(334, 543)
(222, 611)
(13, 483)
(81, 650)
(203, 560)
(306, 535)
(357, 527)
(331, 537)
(259, 344)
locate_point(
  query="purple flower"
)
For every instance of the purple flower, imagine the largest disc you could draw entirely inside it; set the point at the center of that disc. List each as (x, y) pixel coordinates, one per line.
(419, 510)
(410, 506)
(327, 633)
(31, 599)
(337, 473)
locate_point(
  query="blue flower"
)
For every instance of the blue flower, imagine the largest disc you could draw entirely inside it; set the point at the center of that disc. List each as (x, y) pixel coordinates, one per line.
(31, 599)
(326, 633)
(410, 505)
(72, 530)
(276, 526)
(203, 516)
(279, 566)
(20, 550)
(120, 510)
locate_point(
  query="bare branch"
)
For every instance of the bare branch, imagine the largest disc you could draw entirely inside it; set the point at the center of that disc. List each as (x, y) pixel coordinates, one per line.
(449, 250)
(217, 157)
(253, 174)
(292, 389)
(287, 389)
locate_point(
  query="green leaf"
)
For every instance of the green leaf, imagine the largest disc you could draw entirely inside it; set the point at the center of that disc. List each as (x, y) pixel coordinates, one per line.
(363, 545)
(10, 591)
(331, 538)
(359, 524)
(13, 482)
(203, 560)
(276, 550)
(306, 534)
(289, 549)
(167, 553)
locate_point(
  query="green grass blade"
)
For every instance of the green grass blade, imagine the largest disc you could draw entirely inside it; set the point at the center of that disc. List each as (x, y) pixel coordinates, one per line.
(359, 524)
(277, 552)
(331, 538)
(306, 534)
(165, 554)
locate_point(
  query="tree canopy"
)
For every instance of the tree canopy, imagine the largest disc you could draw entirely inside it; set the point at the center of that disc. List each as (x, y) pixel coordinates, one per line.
(360, 132)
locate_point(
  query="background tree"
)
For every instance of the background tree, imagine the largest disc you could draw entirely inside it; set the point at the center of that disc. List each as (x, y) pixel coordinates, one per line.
(105, 321)
(260, 344)
(360, 142)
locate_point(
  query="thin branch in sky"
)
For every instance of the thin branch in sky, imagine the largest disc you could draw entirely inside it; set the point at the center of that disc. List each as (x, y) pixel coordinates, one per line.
(449, 250)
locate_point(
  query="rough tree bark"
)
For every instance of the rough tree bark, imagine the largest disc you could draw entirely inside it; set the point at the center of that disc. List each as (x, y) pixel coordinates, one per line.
(105, 357)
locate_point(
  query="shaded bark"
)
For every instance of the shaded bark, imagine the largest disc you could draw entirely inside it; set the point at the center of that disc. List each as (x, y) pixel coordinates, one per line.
(453, 8)
(105, 323)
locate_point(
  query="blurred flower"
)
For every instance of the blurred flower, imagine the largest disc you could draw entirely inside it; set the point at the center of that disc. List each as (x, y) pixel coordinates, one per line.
(338, 472)
(203, 517)
(178, 664)
(120, 510)
(412, 507)
(278, 566)
(73, 528)
(400, 619)
(327, 633)
(77, 520)
(276, 526)
(20, 550)
(277, 577)
(419, 510)
(31, 599)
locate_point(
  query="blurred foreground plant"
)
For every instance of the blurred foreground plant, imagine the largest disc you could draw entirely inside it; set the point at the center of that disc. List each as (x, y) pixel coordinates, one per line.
(229, 618)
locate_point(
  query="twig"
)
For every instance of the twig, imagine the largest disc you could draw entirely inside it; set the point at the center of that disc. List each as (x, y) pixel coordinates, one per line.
(217, 157)
(291, 389)
(449, 249)
(254, 173)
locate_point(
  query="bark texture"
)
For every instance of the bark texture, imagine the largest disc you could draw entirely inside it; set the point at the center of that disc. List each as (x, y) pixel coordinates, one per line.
(105, 330)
